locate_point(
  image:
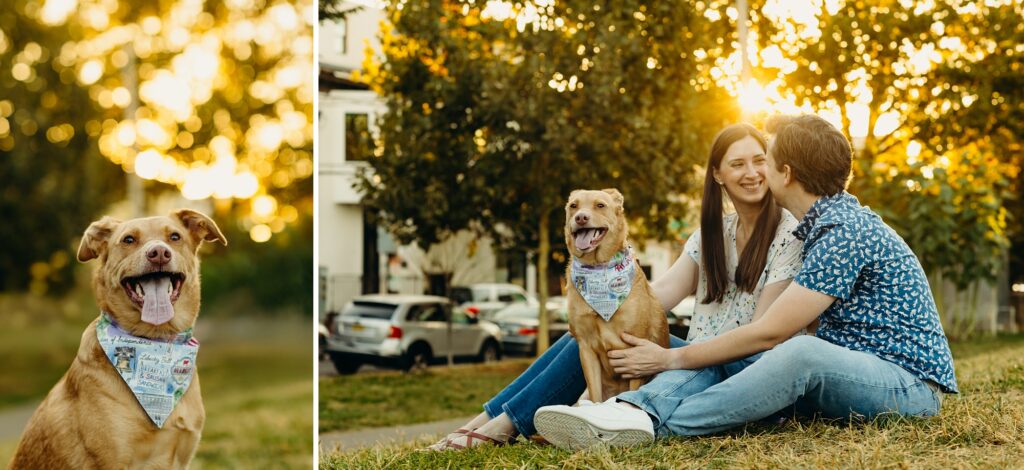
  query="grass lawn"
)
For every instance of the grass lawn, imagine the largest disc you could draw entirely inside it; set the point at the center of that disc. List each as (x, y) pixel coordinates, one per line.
(981, 427)
(386, 398)
(256, 374)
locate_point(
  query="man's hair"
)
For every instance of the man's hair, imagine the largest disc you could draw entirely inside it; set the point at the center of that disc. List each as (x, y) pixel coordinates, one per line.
(819, 155)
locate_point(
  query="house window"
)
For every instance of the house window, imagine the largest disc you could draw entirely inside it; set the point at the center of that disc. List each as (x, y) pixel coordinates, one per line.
(358, 141)
(342, 44)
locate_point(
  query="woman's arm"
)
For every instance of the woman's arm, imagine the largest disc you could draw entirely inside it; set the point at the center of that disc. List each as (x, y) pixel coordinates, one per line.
(678, 283)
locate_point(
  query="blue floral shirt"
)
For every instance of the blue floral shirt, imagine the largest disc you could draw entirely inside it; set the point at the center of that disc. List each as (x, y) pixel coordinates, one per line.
(883, 305)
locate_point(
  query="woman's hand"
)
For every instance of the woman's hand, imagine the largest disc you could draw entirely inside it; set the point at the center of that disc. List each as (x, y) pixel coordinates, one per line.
(643, 359)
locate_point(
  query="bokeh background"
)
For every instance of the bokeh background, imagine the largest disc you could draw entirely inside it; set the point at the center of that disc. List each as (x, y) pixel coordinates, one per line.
(138, 108)
(490, 112)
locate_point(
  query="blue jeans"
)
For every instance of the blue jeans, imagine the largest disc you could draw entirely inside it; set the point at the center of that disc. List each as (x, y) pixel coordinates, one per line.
(555, 378)
(661, 396)
(806, 373)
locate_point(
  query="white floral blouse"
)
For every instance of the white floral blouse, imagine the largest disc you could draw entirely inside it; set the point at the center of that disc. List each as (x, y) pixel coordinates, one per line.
(737, 307)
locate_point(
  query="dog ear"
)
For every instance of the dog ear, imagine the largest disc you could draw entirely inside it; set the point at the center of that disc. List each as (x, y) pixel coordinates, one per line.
(94, 240)
(202, 227)
(616, 195)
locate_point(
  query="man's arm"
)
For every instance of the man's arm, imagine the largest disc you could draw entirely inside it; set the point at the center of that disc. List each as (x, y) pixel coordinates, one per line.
(769, 294)
(795, 308)
(645, 358)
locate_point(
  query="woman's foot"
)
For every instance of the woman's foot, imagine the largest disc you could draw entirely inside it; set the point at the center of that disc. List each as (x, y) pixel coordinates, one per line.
(498, 431)
(443, 443)
(473, 439)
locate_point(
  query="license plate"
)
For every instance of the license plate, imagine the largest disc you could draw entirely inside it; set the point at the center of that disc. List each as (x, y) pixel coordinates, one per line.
(357, 327)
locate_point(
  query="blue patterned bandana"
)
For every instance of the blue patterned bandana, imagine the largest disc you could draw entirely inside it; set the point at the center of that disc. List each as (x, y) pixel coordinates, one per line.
(158, 372)
(605, 286)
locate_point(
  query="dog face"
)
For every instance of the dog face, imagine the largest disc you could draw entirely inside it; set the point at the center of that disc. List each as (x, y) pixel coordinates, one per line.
(595, 224)
(148, 278)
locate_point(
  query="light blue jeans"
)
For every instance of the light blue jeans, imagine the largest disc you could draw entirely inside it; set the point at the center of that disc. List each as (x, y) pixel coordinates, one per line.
(555, 378)
(804, 374)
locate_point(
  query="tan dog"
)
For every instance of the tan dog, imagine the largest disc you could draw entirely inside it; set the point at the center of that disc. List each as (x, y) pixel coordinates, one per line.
(595, 232)
(148, 283)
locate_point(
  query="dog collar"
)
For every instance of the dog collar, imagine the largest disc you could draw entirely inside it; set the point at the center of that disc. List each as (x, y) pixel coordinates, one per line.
(605, 286)
(158, 372)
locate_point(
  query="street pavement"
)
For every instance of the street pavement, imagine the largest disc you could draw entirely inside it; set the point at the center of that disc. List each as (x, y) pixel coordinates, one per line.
(13, 421)
(353, 440)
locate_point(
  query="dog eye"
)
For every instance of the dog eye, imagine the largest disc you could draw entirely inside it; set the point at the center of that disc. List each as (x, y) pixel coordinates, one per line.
(175, 237)
(600, 205)
(128, 240)
(572, 206)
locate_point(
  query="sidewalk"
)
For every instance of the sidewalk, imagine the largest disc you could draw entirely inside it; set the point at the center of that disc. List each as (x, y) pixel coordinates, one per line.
(14, 419)
(361, 438)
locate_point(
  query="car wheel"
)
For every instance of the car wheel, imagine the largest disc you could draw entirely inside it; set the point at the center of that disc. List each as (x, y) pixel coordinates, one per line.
(417, 358)
(489, 352)
(344, 364)
(322, 351)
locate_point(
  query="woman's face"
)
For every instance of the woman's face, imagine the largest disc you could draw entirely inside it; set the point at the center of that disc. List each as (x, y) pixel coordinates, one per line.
(742, 171)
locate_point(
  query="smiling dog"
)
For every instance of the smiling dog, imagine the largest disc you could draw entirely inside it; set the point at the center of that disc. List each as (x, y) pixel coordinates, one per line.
(131, 397)
(610, 294)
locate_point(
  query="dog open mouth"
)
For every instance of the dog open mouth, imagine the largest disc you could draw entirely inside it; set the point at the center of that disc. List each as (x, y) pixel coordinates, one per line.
(587, 238)
(154, 293)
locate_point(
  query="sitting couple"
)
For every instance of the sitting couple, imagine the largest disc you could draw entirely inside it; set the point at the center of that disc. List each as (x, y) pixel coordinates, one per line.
(762, 276)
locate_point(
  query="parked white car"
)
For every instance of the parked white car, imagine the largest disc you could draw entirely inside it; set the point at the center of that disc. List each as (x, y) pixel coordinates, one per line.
(407, 332)
(485, 299)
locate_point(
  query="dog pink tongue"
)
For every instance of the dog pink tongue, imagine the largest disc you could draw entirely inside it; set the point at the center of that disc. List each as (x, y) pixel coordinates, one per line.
(584, 238)
(156, 307)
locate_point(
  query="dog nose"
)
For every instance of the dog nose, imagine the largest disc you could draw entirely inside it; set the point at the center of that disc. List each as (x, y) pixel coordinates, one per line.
(159, 254)
(582, 218)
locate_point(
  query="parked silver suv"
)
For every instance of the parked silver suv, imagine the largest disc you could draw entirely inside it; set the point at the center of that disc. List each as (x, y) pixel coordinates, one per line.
(407, 332)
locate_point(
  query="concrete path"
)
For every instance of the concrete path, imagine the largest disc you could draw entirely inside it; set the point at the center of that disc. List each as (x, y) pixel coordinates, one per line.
(352, 440)
(13, 421)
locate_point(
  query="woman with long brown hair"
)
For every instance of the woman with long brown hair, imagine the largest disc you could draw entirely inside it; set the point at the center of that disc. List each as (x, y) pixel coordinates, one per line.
(736, 264)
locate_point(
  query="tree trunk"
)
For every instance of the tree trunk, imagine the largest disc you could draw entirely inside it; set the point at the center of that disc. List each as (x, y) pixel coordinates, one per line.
(543, 254)
(448, 321)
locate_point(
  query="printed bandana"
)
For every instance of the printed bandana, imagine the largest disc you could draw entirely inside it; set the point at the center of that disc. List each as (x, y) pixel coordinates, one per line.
(605, 286)
(158, 372)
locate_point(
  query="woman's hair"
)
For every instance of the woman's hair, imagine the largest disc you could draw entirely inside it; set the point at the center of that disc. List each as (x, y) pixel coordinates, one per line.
(755, 254)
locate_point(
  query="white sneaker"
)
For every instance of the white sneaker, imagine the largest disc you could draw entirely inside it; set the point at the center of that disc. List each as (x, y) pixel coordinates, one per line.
(611, 424)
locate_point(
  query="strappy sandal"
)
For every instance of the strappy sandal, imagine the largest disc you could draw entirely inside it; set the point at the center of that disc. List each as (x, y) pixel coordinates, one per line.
(474, 439)
(443, 443)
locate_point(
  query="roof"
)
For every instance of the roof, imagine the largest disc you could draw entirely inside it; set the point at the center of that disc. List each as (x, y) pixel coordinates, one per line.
(396, 299)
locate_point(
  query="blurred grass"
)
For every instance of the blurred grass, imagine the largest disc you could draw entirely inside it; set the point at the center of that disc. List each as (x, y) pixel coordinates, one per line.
(385, 398)
(983, 427)
(256, 373)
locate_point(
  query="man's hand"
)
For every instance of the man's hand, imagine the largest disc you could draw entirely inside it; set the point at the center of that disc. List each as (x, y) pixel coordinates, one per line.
(644, 359)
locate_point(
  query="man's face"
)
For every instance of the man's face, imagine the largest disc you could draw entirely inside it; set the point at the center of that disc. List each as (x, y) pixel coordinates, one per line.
(774, 177)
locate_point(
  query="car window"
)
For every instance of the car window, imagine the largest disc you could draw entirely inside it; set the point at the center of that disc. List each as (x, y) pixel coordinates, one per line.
(459, 316)
(369, 310)
(517, 297)
(461, 295)
(426, 312)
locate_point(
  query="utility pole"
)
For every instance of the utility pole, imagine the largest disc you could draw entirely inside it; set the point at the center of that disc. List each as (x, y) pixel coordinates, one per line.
(130, 77)
(741, 28)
